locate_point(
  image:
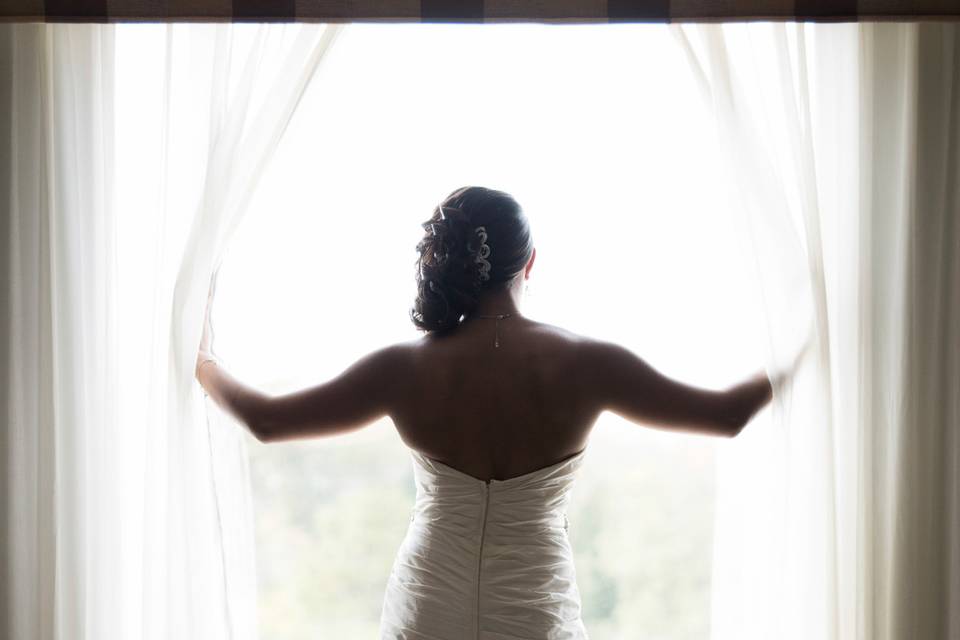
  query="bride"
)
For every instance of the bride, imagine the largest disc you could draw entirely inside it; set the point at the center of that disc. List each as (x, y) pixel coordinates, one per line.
(496, 409)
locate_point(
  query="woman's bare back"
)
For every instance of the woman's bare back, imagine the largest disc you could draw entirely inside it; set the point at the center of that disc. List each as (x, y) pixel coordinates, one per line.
(495, 412)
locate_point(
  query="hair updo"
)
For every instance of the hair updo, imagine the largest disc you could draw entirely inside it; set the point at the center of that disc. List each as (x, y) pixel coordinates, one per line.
(448, 274)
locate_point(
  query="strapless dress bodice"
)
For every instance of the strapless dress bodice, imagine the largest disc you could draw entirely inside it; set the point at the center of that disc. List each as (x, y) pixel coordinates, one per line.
(486, 560)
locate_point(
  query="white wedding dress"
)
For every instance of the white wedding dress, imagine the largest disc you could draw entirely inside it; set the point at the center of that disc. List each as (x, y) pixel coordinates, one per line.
(485, 560)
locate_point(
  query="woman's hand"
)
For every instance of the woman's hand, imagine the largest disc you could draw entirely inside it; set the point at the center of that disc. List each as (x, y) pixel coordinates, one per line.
(781, 378)
(205, 353)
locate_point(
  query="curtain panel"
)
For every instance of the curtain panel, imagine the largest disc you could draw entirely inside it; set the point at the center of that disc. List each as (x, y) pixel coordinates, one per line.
(841, 146)
(57, 315)
(562, 11)
(125, 502)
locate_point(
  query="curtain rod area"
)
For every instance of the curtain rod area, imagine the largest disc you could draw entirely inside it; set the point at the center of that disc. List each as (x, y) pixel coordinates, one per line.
(476, 11)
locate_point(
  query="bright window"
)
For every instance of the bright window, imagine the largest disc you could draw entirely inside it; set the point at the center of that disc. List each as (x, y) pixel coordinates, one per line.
(599, 133)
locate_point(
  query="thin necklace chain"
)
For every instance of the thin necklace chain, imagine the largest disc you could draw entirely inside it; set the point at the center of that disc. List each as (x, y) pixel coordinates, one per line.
(496, 335)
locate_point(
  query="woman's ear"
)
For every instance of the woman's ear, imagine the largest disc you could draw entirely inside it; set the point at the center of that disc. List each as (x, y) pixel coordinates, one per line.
(526, 270)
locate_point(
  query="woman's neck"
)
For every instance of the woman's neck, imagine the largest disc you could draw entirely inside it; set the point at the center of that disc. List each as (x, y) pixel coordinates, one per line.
(499, 302)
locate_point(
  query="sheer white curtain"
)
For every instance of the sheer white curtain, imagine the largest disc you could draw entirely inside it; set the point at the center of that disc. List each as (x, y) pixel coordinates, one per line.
(57, 332)
(127, 504)
(837, 513)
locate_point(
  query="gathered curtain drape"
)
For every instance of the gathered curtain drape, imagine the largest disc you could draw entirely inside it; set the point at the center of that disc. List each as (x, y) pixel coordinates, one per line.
(838, 511)
(125, 500)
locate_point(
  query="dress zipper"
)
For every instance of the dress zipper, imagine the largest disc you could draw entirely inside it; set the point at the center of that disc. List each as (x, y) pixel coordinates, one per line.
(483, 530)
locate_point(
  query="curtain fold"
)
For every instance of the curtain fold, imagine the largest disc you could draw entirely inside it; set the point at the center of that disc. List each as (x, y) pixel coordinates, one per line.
(246, 119)
(125, 503)
(842, 145)
(58, 321)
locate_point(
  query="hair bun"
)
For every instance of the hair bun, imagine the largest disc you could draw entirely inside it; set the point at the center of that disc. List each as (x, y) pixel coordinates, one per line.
(455, 260)
(449, 276)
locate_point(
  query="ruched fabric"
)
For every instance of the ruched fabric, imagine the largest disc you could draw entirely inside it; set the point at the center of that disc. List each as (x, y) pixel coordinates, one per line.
(485, 560)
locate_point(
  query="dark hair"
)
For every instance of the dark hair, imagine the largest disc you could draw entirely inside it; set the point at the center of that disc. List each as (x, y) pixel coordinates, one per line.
(448, 274)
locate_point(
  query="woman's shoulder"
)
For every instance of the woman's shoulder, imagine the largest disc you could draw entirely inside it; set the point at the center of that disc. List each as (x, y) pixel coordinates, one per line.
(560, 337)
(590, 355)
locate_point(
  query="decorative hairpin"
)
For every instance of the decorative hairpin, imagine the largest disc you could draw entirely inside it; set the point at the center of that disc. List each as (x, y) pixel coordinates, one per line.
(483, 253)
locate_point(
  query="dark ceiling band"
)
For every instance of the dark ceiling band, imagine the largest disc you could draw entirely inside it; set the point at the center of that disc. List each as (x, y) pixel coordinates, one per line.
(73, 10)
(638, 11)
(455, 11)
(264, 10)
(825, 10)
(475, 11)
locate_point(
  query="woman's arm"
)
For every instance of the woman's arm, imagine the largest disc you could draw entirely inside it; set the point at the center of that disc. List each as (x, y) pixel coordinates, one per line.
(239, 400)
(358, 396)
(361, 394)
(625, 384)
